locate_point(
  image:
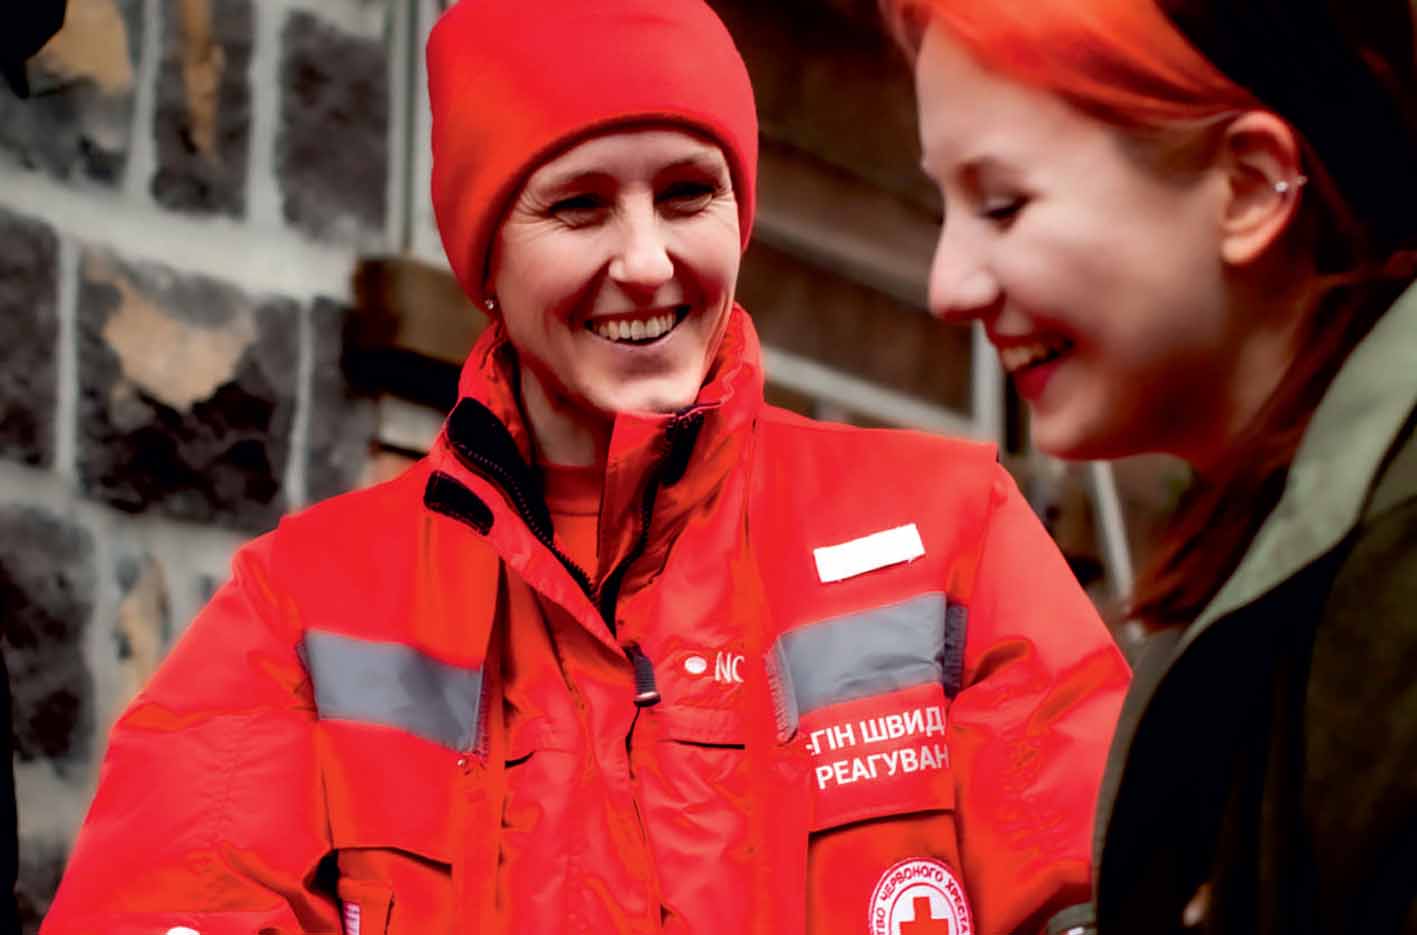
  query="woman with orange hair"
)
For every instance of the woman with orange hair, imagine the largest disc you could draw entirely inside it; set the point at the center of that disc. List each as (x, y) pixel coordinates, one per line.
(1190, 226)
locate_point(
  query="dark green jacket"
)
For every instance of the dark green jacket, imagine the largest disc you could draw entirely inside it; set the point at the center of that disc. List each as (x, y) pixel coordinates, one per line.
(1269, 750)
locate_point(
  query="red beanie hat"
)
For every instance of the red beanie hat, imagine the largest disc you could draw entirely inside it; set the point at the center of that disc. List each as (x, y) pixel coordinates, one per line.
(513, 83)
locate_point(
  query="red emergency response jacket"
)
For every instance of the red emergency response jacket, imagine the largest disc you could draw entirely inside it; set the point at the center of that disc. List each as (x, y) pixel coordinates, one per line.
(824, 680)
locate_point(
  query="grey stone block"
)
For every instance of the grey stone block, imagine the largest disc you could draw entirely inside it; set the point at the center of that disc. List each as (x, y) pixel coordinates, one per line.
(187, 393)
(203, 116)
(342, 422)
(29, 324)
(78, 120)
(332, 152)
(41, 866)
(142, 630)
(46, 599)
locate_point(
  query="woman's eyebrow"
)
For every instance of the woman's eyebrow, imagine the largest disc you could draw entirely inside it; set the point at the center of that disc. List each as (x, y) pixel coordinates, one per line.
(704, 162)
(570, 178)
(580, 177)
(972, 167)
(983, 169)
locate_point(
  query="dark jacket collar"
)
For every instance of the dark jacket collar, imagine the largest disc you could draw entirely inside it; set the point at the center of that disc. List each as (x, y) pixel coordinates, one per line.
(1343, 450)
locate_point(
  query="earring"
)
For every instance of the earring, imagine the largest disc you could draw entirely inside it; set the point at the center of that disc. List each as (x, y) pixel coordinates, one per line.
(491, 303)
(1284, 186)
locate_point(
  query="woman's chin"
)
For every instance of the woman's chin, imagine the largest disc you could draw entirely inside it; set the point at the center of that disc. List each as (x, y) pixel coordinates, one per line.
(1066, 439)
(660, 398)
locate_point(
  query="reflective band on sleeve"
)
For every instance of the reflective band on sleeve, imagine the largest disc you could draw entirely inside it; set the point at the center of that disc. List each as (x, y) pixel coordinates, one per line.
(873, 652)
(393, 685)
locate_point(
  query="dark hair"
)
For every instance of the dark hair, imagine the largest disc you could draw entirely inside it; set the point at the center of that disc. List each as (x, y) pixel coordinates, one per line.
(1342, 75)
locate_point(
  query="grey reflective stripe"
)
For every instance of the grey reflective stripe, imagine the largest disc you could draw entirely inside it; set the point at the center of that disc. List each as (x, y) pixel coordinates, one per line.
(873, 652)
(393, 685)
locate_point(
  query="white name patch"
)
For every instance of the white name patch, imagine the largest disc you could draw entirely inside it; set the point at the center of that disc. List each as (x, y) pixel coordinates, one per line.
(878, 550)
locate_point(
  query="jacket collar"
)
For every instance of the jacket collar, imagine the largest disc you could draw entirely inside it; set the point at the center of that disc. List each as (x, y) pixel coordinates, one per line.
(663, 465)
(1338, 461)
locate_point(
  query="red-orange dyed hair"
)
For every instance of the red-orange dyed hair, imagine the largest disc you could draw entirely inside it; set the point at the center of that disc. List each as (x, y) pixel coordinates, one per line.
(1121, 61)
(1126, 63)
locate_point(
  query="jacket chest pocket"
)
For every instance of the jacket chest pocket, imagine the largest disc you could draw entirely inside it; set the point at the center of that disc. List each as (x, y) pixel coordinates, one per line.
(712, 798)
(392, 806)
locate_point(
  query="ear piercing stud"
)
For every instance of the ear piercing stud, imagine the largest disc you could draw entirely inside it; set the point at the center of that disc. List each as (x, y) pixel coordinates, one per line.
(1285, 186)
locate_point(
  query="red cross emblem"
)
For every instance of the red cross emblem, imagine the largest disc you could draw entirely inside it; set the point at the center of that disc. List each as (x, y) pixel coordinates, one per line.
(920, 896)
(925, 921)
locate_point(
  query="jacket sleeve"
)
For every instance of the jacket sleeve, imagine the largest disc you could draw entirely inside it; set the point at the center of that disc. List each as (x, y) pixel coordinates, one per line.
(209, 812)
(1029, 732)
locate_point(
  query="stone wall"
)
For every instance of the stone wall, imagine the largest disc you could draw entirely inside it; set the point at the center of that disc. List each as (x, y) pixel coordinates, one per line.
(182, 204)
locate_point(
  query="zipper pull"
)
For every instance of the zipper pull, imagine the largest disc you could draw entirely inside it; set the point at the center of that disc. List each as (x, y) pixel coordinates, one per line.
(646, 692)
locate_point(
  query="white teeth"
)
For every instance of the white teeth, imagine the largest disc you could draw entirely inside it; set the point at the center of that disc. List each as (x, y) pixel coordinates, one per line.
(641, 330)
(1022, 355)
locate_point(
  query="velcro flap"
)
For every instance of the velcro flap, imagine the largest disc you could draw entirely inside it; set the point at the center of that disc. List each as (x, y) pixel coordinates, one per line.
(881, 755)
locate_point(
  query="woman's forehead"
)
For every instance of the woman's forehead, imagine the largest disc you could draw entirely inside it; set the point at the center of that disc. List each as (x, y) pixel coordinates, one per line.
(649, 148)
(968, 112)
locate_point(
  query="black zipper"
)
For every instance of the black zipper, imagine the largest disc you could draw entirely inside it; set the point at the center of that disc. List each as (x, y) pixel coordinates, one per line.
(681, 432)
(679, 437)
(646, 691)
(610, 587)
(507, 484)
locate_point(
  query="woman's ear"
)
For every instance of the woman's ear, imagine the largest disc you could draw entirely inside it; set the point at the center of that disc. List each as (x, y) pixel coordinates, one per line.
(1260, 158)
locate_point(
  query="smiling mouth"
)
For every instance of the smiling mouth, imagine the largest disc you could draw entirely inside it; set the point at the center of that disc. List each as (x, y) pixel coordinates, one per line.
(1020, 357)
(639, 328)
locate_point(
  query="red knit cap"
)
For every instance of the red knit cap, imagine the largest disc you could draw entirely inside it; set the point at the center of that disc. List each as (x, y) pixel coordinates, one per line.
(513, 83)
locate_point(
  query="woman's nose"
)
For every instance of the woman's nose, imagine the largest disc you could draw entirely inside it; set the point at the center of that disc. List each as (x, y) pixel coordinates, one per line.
(641, 257)
(962, 286)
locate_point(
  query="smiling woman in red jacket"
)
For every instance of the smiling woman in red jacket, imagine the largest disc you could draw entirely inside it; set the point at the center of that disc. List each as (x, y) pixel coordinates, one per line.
(629, 651)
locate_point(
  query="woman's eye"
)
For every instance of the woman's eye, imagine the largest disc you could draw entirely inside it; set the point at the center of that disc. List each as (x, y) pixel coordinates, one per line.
(576, 208)
(1002, 210)
(687, 197)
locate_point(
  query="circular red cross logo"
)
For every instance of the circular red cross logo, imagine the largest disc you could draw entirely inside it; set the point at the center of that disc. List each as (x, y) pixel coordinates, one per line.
(920, 896)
